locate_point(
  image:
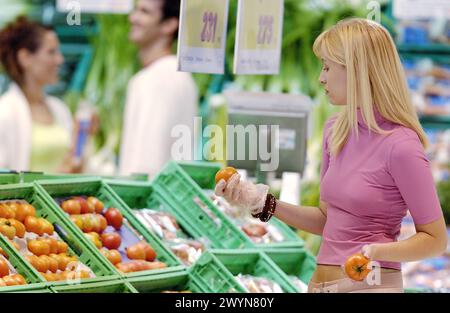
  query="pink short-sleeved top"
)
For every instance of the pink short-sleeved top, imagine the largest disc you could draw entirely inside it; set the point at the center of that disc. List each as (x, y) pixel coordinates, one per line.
(369, 187)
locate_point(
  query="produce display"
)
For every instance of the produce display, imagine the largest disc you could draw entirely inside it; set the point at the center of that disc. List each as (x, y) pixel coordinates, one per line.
(110, 232)
(258, 284)
(34, 237)
(166, 227)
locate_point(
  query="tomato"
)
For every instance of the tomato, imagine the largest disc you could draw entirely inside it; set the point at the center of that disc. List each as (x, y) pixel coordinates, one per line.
(6, 211)
(123, 267)
(88, 223)
(38, 247)
(136, 252)
(114, 256)
(225, 173)
(356, 267)
(53, 264)
(42, 263)
(7, 229)
(150, 254)
(71, 206)
(63, 261)
(47, 227)
(62, 247)
(10, 281)
(52, 243)
(111, 240)
(96, 204)
(32, 224)
(77, 220)
(103, 223)
(4, 268)
(2, 283)
(19, 279)
(27, 210)
(84, 207)
(20, 228)
(114, 218)
(254, 230)
(95, 223)
(95, 239)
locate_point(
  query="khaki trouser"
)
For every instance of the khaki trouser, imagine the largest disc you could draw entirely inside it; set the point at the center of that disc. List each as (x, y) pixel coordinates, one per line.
(390, 283)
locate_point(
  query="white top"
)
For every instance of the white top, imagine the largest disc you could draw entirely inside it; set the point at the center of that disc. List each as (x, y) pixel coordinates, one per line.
(158, 98)
(16, 127)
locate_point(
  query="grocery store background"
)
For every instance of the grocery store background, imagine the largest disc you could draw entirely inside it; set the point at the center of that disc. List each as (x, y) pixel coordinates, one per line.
(99, 61)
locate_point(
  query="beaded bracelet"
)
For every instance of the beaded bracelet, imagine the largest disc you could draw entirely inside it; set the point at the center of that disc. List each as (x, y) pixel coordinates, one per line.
(268, 210)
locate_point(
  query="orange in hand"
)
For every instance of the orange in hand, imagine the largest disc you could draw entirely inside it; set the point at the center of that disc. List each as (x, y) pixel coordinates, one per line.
(356, 267)
(225, 173)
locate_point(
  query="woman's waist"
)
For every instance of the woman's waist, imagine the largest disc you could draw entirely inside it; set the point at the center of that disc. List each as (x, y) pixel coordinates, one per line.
(329, 273)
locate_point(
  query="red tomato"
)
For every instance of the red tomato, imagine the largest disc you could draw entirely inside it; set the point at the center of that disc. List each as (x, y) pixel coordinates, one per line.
(150, 254)
(4, 268)
(114, 218)
(84, 207)
(111, 240)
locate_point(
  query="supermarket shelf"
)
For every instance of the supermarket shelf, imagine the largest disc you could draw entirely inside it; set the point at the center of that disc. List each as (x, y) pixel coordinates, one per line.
(428, 48)
(435, 121)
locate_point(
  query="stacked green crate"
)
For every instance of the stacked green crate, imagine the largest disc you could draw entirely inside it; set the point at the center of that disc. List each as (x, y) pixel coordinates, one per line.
(78, 245)
(181, 281)
(297, 263)
(114, 286)
(194, 221)
(217, 270)
(29, 177)
(53, 189)
(203, 173)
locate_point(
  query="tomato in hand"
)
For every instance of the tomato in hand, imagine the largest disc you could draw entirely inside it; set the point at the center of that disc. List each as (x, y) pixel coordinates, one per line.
(356, 267)
(225, 173)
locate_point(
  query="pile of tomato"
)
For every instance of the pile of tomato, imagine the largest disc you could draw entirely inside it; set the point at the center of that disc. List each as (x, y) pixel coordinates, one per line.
(90, 215)
(44, 250)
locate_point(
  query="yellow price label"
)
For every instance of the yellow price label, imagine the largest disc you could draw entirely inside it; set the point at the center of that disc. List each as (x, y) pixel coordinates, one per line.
(260, 24)
(204, 23)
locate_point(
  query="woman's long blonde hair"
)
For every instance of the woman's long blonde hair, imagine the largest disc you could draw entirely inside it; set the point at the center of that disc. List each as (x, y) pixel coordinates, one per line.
(375, 78)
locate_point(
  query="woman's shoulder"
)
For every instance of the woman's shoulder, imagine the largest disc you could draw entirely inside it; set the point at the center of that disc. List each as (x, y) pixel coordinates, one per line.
(401, 133)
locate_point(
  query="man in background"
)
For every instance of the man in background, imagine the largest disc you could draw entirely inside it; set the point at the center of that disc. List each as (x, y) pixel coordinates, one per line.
(158, 96)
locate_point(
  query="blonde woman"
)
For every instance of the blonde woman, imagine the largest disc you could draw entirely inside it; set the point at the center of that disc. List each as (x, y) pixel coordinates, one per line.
(374, 167)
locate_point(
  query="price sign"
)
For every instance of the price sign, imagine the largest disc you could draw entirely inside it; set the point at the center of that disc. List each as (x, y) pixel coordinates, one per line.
(201, 39)
(258, 36)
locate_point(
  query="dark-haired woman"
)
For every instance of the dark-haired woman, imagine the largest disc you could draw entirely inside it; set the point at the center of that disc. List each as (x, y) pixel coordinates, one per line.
(35, 129)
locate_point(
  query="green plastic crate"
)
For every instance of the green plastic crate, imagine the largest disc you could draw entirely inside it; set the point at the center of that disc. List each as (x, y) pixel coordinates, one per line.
(114, 286)
(210, 268)
(97, 188)
(194, 207)
(174, 182)
(297, 262)
(138, 195)
(9, 178)
(36, 283)
(203, 173)
(177, 281)
(78, 245)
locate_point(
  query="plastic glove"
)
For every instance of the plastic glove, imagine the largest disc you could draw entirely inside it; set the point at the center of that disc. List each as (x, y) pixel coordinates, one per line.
(243, 194)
